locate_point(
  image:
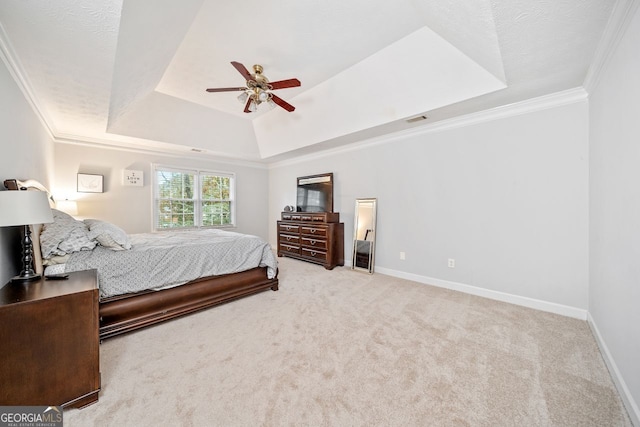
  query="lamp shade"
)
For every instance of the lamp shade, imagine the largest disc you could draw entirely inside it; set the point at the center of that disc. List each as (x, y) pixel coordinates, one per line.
(24, 208)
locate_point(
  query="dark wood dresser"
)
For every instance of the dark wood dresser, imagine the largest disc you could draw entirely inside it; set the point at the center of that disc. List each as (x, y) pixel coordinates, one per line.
(316, 237)
(50, 347)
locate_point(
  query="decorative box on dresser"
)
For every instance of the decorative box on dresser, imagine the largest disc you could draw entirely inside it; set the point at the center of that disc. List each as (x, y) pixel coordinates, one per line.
(50, 345)
(316, 237)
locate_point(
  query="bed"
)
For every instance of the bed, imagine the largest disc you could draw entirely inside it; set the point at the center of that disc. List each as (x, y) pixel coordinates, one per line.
(148, 278)
(175, 274)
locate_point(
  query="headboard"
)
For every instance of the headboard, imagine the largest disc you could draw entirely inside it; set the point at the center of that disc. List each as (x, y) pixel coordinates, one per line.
(29, 184)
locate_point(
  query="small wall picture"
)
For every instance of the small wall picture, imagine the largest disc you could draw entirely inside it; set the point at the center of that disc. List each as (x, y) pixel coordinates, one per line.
(88, 183)
(133, 178)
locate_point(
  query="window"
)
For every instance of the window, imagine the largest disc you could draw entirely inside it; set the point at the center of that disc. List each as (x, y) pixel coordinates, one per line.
(191, 198)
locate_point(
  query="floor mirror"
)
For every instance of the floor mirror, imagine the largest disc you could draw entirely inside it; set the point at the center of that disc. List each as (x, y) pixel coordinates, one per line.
(364, 235)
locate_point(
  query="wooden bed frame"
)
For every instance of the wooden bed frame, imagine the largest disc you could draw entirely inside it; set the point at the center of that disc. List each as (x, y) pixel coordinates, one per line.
(125, 313)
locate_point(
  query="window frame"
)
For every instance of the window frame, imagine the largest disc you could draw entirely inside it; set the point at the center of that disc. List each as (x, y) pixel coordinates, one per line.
(198, 175)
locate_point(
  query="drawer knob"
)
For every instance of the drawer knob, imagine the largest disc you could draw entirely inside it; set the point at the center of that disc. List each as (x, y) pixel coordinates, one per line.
(313, 242)
(313, 253)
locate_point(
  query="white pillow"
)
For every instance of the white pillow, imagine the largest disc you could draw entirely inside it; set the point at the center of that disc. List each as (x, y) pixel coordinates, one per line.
(108, 235)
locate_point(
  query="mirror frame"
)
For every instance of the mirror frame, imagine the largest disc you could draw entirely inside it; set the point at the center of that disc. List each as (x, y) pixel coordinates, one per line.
(357, 243)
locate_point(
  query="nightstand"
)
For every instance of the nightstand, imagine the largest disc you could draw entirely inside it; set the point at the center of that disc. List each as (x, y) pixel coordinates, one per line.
(49, 338)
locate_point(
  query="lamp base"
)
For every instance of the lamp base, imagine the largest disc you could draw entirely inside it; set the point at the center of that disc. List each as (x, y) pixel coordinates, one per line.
(26, 277)
(27, 274)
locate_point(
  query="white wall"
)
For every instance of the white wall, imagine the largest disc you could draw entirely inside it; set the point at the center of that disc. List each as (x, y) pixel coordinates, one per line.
(614, 293)
(131, 207)
(507, 199)
(27, 153)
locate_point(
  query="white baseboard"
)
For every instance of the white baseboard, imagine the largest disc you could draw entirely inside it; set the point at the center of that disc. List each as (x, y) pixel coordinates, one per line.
(630, 404)
(550, 307)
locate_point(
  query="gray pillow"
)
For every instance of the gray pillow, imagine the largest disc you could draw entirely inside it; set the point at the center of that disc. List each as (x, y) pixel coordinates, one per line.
(108, 235)
(64, 236)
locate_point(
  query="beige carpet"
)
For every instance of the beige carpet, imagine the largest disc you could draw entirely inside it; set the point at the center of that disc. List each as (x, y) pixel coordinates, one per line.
(342, 348)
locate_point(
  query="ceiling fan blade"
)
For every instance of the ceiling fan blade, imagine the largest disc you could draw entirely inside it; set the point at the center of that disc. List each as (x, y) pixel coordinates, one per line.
(225, 89)
(282, 84)
(246, 106)
(281, 102)
(242, 70)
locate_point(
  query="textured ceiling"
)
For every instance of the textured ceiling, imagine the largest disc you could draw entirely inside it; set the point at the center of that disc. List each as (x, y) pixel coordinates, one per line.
(132, 73)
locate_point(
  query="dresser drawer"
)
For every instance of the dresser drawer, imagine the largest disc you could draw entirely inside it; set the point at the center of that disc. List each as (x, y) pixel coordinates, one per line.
(289, 228)
(313, 231)
(315, 254)
(303, 236)
(314, 242)
(290, 249)
(290, 238)
(321, 217)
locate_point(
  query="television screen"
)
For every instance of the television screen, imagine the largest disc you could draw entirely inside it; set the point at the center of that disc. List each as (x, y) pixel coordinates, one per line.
(315, 193)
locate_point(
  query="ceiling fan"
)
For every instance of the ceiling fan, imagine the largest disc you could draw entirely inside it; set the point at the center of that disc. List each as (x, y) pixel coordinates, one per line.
(258, 89)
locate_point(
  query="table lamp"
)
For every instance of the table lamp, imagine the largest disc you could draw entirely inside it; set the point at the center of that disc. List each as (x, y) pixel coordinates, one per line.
(25, 208)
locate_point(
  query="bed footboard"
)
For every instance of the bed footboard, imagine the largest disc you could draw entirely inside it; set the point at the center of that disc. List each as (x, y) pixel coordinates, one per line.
(122, 314)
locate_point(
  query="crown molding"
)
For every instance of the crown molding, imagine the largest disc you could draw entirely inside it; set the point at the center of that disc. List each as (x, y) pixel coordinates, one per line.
(544, 102)
(8, 56)
(83, 141)
(619, 20)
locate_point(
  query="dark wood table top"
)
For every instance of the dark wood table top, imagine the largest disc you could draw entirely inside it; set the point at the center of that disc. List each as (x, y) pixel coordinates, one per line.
(79, 281)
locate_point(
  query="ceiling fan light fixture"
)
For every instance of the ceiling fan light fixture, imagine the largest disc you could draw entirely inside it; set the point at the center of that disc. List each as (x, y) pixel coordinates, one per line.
(263, 96)
(243, 97)
(270, 105)
(253, 106)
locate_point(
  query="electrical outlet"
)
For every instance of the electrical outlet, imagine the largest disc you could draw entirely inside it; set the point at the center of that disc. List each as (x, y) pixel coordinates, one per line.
(402, 255)
(451, 263)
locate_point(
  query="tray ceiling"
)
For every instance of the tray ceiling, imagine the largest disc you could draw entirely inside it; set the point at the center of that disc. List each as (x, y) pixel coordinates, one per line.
(133, 74)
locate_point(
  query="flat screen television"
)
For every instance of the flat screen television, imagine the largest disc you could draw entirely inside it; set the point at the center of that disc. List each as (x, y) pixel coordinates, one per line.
(315, 193)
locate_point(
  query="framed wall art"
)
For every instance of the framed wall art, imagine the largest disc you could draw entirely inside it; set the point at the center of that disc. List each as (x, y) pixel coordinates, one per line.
(133, 178)
(88, 183)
